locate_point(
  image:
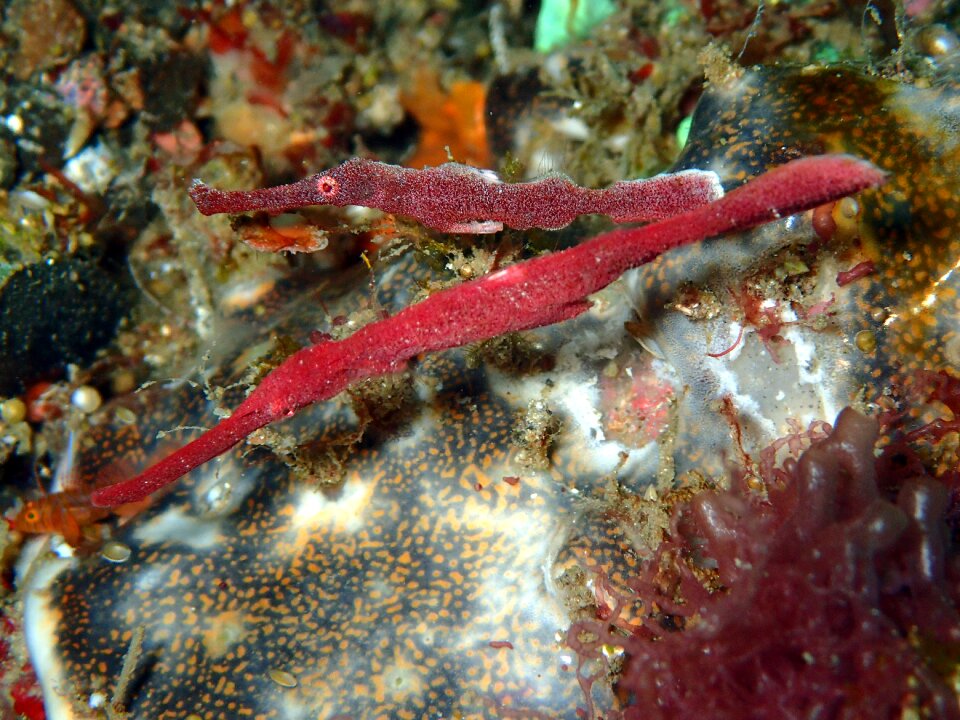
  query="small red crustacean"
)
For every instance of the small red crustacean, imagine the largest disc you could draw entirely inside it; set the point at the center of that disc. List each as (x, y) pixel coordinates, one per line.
(68, 513)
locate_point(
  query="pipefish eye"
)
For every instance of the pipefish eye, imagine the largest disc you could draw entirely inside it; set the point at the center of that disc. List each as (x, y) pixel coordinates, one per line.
(327, 186)
(31, 515)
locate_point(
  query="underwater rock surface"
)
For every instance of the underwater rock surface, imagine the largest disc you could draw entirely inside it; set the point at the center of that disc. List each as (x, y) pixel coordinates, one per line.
(433, 579)
(53, 314)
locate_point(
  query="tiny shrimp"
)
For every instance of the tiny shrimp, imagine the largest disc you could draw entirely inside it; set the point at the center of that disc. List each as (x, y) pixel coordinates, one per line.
(66, 513)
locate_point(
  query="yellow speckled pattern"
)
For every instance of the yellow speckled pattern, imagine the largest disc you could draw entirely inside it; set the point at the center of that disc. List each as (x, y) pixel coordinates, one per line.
(379, 597)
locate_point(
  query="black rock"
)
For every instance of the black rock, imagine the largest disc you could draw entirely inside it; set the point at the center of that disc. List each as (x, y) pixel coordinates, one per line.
(53, 314)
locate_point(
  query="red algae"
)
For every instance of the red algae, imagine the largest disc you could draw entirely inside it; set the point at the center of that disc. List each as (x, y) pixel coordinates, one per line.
(20, 694)
(858, 271)
(838, 600)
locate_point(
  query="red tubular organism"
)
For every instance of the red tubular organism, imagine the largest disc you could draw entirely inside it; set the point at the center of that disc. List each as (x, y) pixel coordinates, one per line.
(845, 277)
(545, 290)
(459, 198)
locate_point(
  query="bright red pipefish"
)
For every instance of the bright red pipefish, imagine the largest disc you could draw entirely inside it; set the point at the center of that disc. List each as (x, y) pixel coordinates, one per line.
(463, 199)
(537, 292)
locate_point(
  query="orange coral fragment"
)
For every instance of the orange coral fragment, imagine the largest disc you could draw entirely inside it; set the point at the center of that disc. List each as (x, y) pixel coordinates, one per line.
(453, 120)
